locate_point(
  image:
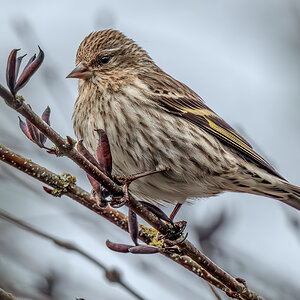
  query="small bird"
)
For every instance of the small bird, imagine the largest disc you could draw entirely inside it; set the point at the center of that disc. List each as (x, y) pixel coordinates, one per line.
(154, 122)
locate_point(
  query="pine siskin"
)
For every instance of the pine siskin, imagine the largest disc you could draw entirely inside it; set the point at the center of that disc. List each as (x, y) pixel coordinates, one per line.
(156, 122)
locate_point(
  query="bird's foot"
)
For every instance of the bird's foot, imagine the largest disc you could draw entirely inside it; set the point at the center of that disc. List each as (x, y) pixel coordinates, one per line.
(100, 196)
(120, 201)
(155, 245)
(175, 234)
(117, 202)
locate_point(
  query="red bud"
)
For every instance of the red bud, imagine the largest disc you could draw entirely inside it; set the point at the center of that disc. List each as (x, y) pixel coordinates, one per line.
(133, 226)
(103, 153)
(144, 250)
(47, 190)
(31, 67)
(83, 151)
(11, 70)
(157, 211)
(118, 247)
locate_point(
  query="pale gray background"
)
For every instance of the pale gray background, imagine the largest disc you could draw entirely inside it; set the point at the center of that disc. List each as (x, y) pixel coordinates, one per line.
(243, 58)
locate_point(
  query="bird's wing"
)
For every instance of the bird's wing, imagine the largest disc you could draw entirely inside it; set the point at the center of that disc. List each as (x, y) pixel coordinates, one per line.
(183, 102)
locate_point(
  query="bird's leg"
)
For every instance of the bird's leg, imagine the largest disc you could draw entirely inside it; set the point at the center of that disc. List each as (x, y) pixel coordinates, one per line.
(175, 229)
(175, 234)
(119, 202)
(156, 246)
(175, 211)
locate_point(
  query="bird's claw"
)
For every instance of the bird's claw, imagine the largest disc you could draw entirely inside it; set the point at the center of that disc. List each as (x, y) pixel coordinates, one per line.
(99, 199)
(175, 235)
(178, 241)
(117, 202)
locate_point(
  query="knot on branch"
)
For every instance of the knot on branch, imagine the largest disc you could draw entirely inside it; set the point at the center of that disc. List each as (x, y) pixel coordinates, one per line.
(113, 275)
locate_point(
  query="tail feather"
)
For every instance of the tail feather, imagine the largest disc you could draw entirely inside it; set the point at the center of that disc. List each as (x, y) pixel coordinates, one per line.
(284, 192)
(264, 184)
(294, 197)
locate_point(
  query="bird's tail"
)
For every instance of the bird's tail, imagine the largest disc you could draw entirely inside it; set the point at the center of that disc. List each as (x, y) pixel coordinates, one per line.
(293, 198)
(269, 186)
(282, 191)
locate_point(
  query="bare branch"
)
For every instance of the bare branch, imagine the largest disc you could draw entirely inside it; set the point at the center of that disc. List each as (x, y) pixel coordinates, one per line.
(63, 185)
(111, 274)
(62, 145)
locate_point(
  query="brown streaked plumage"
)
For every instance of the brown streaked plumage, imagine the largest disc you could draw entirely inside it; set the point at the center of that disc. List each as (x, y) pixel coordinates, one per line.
(156, 122)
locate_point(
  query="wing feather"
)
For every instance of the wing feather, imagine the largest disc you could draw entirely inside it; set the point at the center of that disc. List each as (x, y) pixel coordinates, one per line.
(178, 99)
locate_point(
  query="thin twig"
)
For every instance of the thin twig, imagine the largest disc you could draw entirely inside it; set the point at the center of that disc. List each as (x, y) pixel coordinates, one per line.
(70, 246)
(214, 292)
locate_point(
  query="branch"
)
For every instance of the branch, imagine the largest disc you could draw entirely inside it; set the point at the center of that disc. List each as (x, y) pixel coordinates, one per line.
(65, 187)
(111, 274)
(63, 146)
(61, 186)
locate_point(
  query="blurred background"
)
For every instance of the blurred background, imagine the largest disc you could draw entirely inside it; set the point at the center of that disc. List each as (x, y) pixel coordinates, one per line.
(243, 59)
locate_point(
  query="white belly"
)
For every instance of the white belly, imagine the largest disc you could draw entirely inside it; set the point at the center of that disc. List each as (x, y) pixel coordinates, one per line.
(144, 140)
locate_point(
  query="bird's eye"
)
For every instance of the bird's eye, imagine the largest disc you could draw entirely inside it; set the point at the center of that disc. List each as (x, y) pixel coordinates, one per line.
(104, 59)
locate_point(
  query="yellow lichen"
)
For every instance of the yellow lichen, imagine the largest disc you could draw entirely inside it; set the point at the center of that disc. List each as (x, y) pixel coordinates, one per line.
(56, 192)
(74, 141)
(67, 179)
(152, 233)
(20, 98)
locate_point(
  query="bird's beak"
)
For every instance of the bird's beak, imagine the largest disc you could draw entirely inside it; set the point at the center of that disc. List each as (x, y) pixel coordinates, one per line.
(81, 72)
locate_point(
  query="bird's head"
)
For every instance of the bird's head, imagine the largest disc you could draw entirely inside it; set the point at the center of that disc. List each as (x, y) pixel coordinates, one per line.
(109, 54)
